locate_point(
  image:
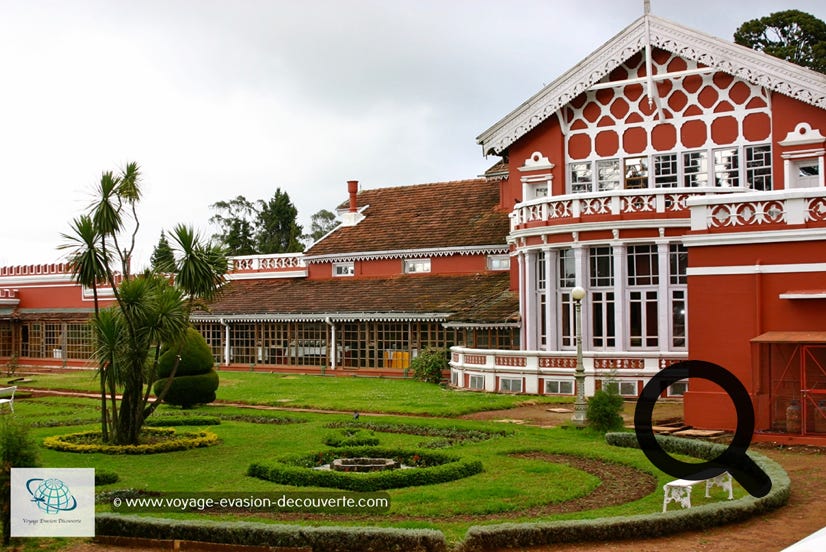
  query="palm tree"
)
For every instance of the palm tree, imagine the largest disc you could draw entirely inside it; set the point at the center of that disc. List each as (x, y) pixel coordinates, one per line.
(88, 262)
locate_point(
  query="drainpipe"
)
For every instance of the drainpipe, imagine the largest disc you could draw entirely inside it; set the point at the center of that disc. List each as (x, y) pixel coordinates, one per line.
(333, 343)
(226, 341)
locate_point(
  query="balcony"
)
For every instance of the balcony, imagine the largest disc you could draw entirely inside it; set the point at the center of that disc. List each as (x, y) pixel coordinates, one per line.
(805, 207)
(648, 203)
(533, 366)
(276, 265)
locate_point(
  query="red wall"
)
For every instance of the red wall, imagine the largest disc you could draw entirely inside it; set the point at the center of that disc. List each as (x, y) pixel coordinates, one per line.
(727, 311)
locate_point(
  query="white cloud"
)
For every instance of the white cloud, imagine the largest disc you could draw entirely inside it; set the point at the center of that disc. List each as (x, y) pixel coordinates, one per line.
(219, 98)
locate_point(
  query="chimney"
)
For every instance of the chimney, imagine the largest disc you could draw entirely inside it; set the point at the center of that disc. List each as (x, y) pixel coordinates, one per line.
(353, 190)
(352, 216)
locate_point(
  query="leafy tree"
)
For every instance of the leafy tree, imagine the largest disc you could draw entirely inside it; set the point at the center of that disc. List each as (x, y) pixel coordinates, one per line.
(792, 35)
(195, 381)
(151, 312)
(237, 219)
(430, 363)
(163, 258)
(277, 229)
(17, 450)
(321, 223)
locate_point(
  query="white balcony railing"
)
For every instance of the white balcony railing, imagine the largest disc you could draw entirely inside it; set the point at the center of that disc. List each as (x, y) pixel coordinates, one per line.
(656, 202)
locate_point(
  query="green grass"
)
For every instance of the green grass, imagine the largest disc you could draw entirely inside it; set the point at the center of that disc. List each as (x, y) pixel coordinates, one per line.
(505, 491)
(390, 396)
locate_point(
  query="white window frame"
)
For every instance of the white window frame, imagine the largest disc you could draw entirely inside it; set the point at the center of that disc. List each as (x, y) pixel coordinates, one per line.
(511, 382)
(623, 387)
(476, 381)
(499, 262)
(558, 384)
(682, 385)
(345, 269)
(416, 266)
(671, 170)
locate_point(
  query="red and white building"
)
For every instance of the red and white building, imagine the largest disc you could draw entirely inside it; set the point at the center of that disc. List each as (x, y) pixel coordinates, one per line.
(388, 282)
(679, 179)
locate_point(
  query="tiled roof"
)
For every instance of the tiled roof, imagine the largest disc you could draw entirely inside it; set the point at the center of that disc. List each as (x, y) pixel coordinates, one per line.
(464, 298)
(426, 216)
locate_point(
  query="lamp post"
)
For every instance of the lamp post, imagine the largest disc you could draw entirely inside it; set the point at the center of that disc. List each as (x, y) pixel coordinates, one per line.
(580, 406)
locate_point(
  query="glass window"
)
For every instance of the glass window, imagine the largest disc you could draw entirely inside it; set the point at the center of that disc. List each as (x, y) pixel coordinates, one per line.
(759, 167)
(695, 169)
(416, 266)
(726, 168)
(806, 174)
(624, 388)
(643, 267)
(601, 260)
(476, 382)
(603, 331)
(510, 385)
(567, 268)
(678, 389)
(636, 173)
(344, 269)
(678, 307)
(499, 262)
(665, 170)
(559, 387)
(608, 174)
(642, 309)
(677, 263)
(582, 177)
(541, 276)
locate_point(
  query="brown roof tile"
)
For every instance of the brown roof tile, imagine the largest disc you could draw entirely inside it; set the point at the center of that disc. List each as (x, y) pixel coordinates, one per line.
(468, 298)
(425, 216)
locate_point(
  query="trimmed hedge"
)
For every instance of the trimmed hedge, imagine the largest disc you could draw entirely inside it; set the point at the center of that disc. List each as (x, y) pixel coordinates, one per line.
(168, 421)
(454, 434)
(104, 477)
(431, 468)
(187, 391)
(352, 438)
(320, 539)
(78, 442)
(514, 535)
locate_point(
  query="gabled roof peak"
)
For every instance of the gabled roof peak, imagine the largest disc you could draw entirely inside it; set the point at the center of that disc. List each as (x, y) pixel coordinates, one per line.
(750, 65)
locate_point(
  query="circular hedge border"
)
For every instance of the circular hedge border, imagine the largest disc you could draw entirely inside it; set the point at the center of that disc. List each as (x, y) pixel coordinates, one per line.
(78, 442)
(430, 468)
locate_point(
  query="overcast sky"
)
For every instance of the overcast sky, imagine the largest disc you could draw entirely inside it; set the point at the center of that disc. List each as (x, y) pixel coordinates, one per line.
(216, 99)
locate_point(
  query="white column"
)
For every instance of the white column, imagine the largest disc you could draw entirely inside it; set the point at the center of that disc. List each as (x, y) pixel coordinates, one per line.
(664, 310)
(620, 253)
(550, 298)
(530, 302)
(581, 280)
(520, 261)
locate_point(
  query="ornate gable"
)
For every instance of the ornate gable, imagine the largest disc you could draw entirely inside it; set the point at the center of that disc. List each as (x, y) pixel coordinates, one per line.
(704, 51)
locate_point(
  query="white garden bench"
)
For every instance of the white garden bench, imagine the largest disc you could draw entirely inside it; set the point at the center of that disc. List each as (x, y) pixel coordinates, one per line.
(7, 396)
(680, 490)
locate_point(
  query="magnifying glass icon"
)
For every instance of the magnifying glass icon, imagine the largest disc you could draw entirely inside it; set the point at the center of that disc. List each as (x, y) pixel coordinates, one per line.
(734, 459)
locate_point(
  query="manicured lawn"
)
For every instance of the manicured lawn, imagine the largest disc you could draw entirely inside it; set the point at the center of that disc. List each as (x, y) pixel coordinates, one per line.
(506, 491)
(392, 396)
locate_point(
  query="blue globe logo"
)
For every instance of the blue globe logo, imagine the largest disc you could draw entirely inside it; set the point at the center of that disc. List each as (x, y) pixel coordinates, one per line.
(51, 495)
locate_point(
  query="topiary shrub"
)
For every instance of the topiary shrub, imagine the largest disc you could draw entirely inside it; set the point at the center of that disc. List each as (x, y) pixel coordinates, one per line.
(605, 410)
(195, 381)
(429, 365)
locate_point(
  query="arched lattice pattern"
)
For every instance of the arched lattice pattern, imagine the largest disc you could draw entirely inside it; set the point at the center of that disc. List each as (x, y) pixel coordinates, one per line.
(695, 111)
